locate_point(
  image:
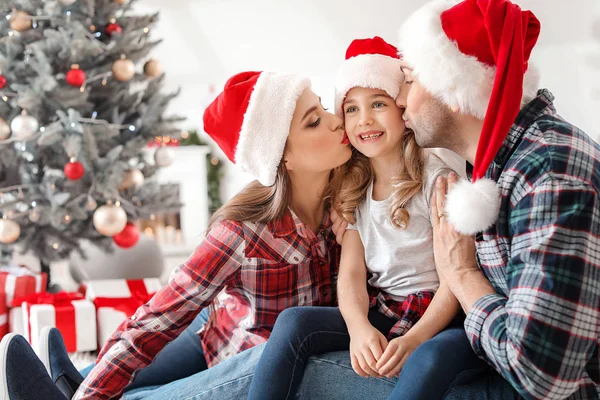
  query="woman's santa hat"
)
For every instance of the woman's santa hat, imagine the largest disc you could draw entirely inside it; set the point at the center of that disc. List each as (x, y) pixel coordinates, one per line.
(474, 56)
(370, 63)
(250, 120)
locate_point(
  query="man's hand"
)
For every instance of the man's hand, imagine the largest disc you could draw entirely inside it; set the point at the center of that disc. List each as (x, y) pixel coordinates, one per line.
(454, 253)
(338, 226)
(367, 345)
(395, 355)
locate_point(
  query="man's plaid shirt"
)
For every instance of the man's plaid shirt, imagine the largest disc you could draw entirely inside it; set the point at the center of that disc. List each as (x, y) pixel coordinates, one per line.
(248, 273)
(540, 330)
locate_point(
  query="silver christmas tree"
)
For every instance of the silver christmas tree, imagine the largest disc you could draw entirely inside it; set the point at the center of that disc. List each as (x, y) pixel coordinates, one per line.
(77, 107)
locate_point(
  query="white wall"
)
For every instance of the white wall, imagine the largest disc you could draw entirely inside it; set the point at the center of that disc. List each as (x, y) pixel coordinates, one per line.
(206, 41)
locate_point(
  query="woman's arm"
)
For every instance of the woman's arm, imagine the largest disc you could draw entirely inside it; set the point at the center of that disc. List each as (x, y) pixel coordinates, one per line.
(192, 286)
(366, 343)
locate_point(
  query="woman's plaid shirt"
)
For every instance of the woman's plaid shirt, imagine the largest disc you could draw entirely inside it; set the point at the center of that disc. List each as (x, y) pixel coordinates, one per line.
(247, 273)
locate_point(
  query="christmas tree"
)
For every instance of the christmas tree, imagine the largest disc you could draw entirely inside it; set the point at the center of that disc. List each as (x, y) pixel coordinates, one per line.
(75, 116)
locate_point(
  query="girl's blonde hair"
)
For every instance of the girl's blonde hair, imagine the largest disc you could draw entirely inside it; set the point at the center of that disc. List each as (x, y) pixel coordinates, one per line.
(351, 181)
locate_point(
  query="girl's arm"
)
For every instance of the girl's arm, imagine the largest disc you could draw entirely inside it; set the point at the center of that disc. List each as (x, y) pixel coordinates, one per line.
(366, 343)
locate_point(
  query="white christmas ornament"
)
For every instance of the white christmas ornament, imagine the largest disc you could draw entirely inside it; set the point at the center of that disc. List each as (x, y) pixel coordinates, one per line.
(9, 231)
(67, 2)
(110, 219)
(4, 129)
(164, 156)
(132, 178)
(24, 125)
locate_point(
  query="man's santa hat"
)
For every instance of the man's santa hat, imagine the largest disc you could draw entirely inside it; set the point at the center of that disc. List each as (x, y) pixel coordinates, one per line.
(370, 63)
(474, 56)
(250, 120)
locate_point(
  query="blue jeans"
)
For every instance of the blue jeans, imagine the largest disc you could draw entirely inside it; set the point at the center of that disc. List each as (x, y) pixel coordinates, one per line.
(179, 359)
(304, 331)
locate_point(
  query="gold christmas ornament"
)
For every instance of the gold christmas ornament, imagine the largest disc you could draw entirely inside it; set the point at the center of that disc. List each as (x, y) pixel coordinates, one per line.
(123, 69)
(152, 68)
(9, 231)
(4, 129)
(121, 2)
(67, 2)
(164, 156)
(110, 219)
(20, 21)
(132, 178)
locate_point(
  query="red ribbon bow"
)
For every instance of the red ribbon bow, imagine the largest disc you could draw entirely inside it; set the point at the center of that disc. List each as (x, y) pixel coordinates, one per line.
(127, 305)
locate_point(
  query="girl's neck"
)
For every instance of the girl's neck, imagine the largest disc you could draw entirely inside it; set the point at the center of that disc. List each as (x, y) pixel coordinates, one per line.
(385, 169)
(307, 197)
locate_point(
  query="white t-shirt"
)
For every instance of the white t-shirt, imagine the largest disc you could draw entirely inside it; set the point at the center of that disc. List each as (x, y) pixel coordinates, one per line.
(401, 260)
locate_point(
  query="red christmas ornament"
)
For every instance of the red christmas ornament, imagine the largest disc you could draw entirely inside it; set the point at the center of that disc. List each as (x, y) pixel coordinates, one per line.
(113, 28)
(2, 81)
(74, 170)
(75, 76)
(128, 237)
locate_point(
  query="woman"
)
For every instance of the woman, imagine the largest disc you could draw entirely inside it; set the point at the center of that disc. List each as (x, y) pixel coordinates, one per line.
(267, 249)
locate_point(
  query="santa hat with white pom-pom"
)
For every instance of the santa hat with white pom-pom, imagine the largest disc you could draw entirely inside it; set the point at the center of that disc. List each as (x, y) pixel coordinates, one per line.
(474, 57)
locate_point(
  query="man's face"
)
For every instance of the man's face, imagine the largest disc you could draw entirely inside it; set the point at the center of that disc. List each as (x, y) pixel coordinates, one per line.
(431, 120)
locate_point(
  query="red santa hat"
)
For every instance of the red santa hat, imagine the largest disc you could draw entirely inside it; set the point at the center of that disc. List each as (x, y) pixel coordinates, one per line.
(250, 120)
(474, 56)
(370, 63)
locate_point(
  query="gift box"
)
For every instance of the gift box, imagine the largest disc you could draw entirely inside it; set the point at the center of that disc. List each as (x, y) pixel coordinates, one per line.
(71, 313)
(118, 299)
(3, 316)
(19, 281)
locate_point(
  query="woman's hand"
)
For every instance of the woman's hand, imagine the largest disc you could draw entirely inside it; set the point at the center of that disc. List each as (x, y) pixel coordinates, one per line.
(338, 226)
(367, 345)
(395, 355)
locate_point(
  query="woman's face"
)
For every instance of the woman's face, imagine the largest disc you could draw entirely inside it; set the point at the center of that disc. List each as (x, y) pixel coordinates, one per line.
(373, 122)
(317, 142)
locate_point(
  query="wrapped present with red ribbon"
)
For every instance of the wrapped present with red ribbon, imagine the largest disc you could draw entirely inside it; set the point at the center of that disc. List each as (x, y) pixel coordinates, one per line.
(118, 299)
(19, 281)
(3, 316)
(71, 313)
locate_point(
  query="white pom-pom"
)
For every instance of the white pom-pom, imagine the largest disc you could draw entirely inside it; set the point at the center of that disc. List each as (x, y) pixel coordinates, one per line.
(473, 207)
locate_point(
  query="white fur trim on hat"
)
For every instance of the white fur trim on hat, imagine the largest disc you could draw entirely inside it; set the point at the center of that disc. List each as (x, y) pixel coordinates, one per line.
(473, 207)
(267, 123)
(459, 80)
(373, 71)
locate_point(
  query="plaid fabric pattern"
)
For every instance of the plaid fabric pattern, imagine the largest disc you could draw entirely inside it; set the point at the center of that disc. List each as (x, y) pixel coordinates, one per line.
(247, 273)
(541, 329)
(406, 313)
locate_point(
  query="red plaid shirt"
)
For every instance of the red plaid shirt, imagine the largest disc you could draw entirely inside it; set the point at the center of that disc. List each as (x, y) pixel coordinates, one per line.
(248, 273)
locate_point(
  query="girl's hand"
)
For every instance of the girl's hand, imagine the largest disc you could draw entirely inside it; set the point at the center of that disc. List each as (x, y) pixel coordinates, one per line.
(395, 355)
(338, 225)
(367, 345)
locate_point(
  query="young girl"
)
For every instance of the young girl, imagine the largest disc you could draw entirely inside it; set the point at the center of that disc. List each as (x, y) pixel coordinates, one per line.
(388, 304)
(269, 248)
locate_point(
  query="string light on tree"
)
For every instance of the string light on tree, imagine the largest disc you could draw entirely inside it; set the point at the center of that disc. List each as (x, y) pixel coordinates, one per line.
(24, 125)
(20, 21)
(123, 69)
(75, 76)
(128, 237)
(110, 219)
(74, 170)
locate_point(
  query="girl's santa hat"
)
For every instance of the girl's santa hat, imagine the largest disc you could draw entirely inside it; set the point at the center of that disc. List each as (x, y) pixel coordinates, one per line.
(474, 56)
(250, 120)
(370, 63)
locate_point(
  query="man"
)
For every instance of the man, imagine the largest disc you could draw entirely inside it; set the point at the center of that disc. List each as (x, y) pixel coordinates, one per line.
(532, 299)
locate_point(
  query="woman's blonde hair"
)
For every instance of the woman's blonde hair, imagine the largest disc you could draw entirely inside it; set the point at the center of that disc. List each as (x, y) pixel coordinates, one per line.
(258, 203)
(350, 182)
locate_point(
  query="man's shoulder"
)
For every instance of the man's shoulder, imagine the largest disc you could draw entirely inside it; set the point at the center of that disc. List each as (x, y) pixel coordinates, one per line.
(553, 148)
